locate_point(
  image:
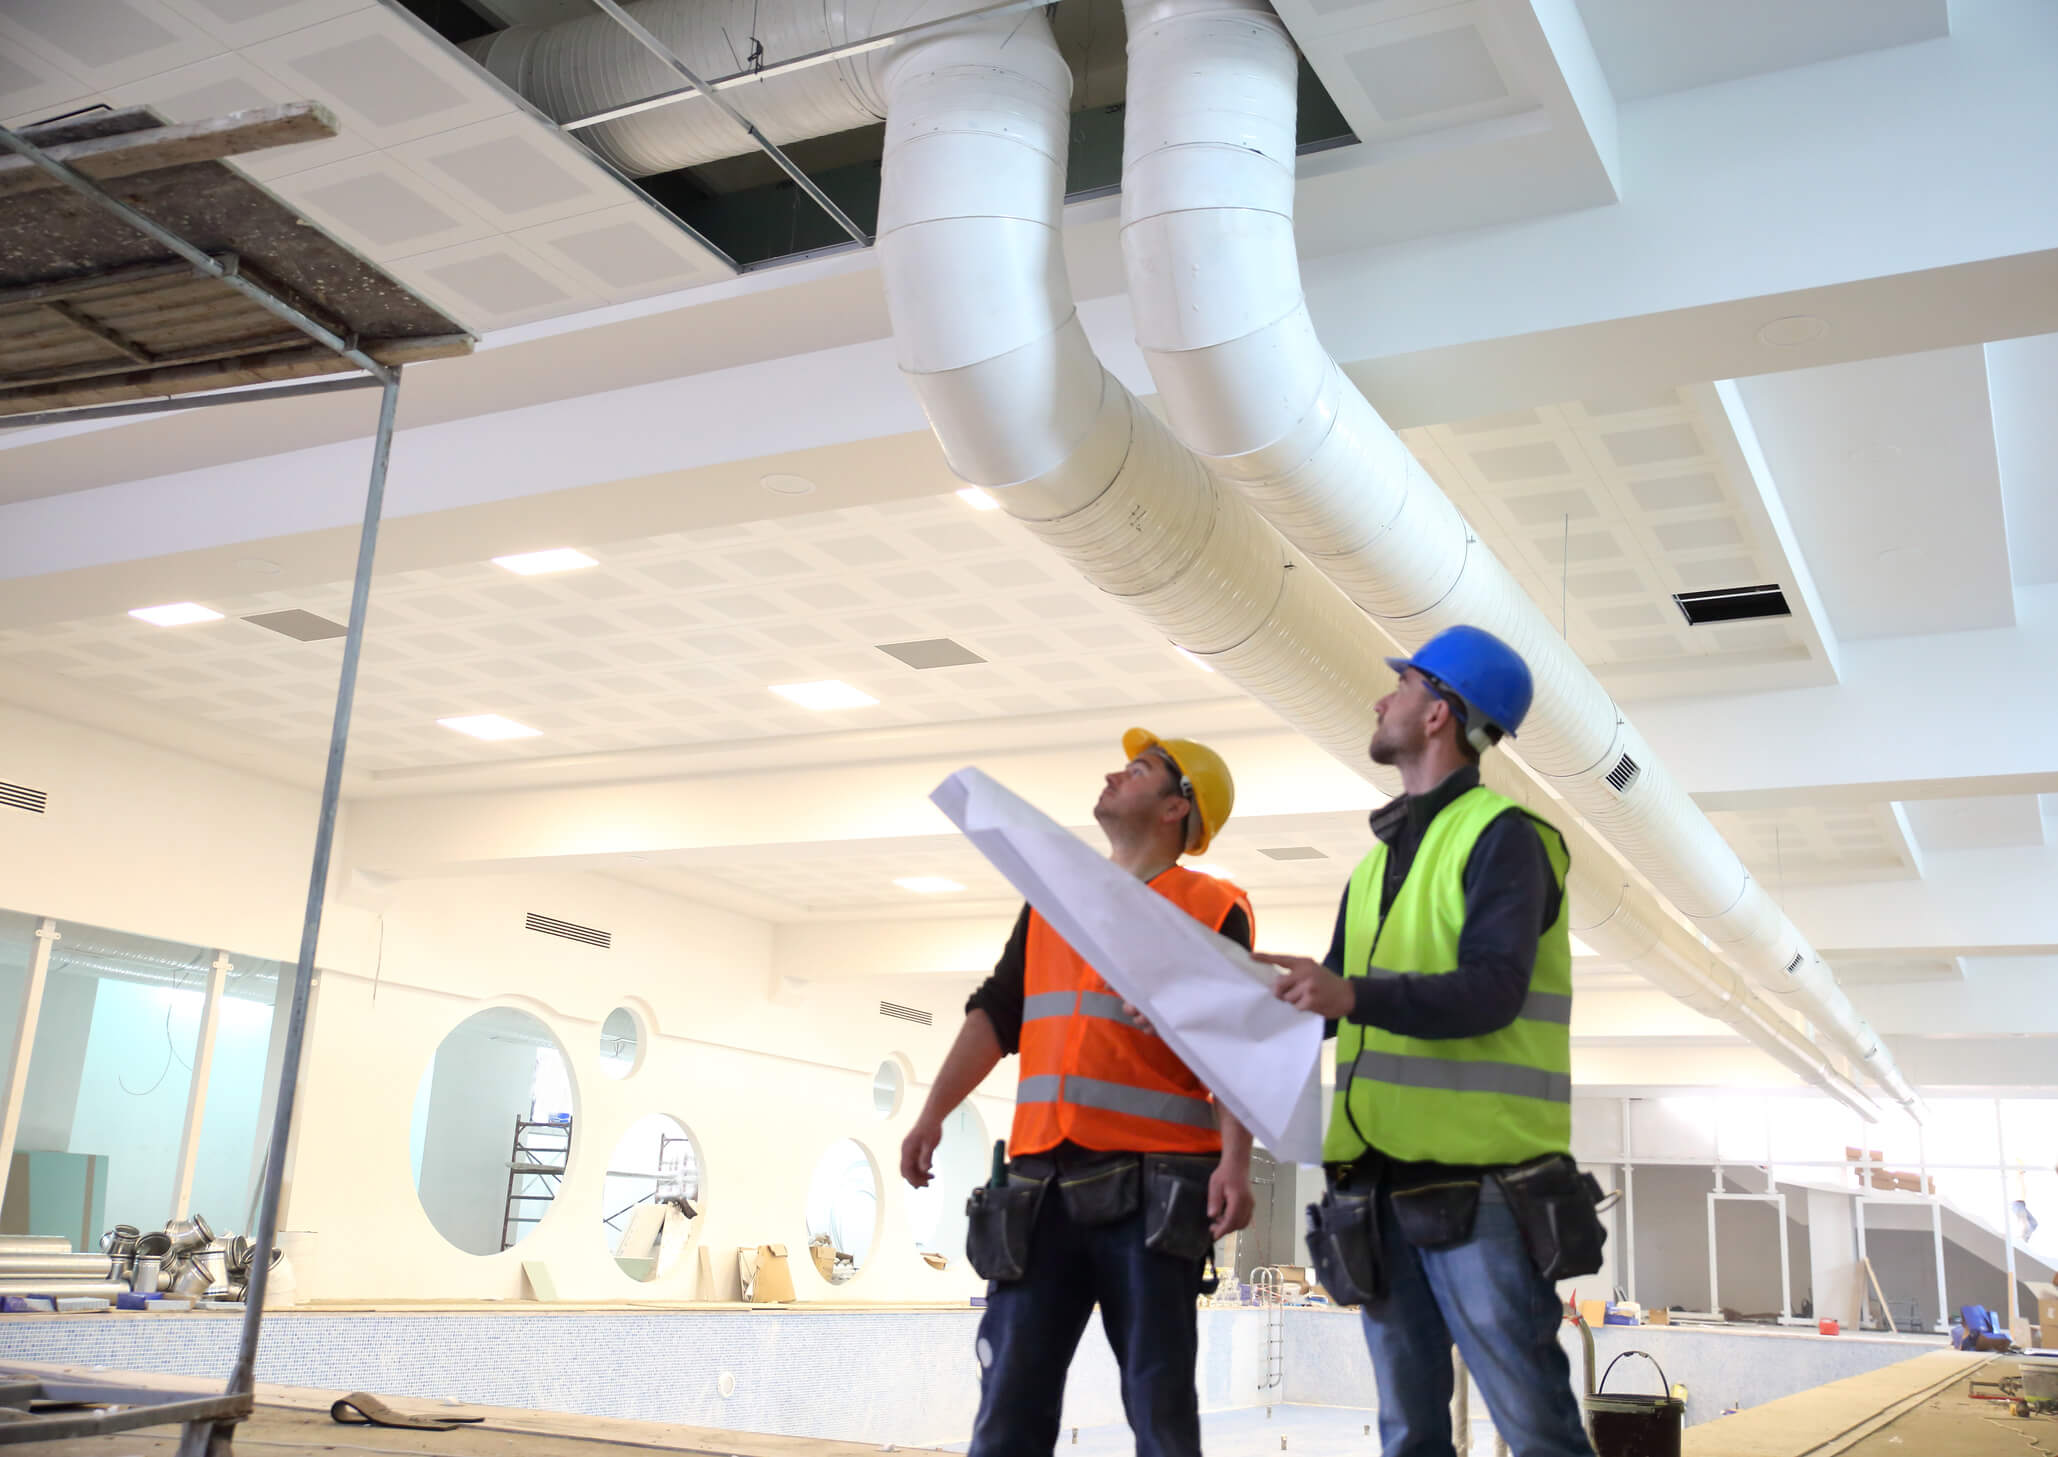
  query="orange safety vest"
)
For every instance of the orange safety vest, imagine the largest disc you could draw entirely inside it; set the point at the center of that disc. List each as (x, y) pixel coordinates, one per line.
(1088, 1075)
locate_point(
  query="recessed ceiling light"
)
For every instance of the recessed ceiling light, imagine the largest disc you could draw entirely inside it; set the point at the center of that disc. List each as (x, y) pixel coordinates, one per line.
(1199, 662)
(489, 726)
(787, 485)
(176, 614)
(978, 499)
(927, 884)
(1793, 331)
(540, 563)
(825, 695)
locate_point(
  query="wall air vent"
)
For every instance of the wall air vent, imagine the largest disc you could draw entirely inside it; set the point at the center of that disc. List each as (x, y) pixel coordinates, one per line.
(1624, 774)
(906, 1014)
(1795, 965)
(20, 796)
(547, 926)
(1732, 604)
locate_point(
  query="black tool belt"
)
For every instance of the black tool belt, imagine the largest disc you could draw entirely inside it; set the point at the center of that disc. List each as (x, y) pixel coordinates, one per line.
(1555, 1207)
(1095, 1189)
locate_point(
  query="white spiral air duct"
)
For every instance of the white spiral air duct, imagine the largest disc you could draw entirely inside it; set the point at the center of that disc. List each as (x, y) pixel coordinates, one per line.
(1207, 210)
(985, 329)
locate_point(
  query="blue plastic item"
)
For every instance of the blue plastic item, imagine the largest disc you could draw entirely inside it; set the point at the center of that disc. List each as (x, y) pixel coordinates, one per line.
(1481, 669)
(25, 1304)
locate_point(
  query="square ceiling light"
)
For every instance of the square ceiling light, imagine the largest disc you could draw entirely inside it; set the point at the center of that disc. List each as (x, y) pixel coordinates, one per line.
(977, 499)
(175, 614)
(542, 563)
(824, 696)
(928, 884)
(490, 726)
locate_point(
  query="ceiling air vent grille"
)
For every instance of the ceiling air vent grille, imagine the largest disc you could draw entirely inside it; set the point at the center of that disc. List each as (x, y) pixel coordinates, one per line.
(1732, 604)
(1624, 774)
(20, 796)
(570, 931)
(1795, 965)
(906, 1014)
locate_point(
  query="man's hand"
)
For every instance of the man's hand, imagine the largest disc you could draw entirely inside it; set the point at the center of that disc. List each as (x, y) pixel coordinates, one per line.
(918, 1152)
(1230, 1202)
(1311, 986)
(1137, 1020)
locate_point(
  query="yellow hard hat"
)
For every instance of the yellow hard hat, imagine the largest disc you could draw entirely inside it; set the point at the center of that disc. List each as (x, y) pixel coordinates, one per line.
(1212, 791)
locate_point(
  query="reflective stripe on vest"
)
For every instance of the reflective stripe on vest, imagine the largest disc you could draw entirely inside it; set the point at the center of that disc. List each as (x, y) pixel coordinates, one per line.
(1117, 1098)
(1089, 1074)
(1458, 1077)
(1060, 1004)
(1500, 1097)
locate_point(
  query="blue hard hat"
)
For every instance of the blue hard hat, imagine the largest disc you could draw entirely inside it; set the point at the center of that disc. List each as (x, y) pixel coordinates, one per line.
(1485, 672)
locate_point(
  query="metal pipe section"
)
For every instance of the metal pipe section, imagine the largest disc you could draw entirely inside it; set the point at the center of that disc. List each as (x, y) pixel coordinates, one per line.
(66, 1267)
(104, 1289)
(1214, 274)
(34, 1244)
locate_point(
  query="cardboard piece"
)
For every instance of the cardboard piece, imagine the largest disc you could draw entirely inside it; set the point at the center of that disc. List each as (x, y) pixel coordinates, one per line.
(542, 1285)
(1594, 1312)
(639, 1239)
(767, 1278)
(1658, 1317)
(2046, 1297)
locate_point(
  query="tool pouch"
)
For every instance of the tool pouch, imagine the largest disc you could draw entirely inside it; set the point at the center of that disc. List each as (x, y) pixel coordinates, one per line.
(1175, 1204)
(999, 1219)
(1101, 1190)
(1436, 1216)
(1343, 1243)
(1554, 1206)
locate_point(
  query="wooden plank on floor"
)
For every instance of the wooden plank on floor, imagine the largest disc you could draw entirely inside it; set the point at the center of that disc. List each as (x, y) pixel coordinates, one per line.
(126, 154)
(1825, 1419)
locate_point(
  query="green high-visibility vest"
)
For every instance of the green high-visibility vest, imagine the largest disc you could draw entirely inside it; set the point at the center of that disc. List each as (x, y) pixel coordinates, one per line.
(1498, 1099)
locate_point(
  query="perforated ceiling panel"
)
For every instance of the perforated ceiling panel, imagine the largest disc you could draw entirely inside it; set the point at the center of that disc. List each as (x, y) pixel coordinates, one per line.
(1818, 845)
(1603, 510)
(439, 175)
(670, 640)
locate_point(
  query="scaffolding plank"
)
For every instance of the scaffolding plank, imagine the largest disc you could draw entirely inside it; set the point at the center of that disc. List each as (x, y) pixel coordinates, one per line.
(127, 153)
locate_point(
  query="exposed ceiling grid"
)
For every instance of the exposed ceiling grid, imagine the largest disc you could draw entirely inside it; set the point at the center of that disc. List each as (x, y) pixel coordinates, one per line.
(437, 175)
(671, 640)
(1603, 510)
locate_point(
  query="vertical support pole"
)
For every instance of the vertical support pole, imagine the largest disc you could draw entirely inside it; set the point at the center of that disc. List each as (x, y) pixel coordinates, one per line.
(243, 1376)
(1714, 1288)
(196, 1095)
(1786, 1269)
(25, 1045)
(1628, 1208)
(2007, 1213)
(1936, 1229)
(1865, 1265)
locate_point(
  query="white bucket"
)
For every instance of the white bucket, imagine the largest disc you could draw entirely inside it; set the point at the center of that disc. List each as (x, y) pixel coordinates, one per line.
(2040, 1378)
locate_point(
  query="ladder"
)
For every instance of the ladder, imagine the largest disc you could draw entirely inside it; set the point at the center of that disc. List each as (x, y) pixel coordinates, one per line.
(1268, 1287)
(535, 1169)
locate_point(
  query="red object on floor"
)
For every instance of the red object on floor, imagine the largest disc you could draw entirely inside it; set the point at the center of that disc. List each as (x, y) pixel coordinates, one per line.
(1826, 1327)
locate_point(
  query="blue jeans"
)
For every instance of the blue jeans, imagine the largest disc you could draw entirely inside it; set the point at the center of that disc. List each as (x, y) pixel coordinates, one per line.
(1032, 1327)
(1487, 1296)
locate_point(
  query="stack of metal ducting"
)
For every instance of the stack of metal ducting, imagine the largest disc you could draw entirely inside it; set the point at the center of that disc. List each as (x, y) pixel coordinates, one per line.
(183, 1258)
(46, 1265)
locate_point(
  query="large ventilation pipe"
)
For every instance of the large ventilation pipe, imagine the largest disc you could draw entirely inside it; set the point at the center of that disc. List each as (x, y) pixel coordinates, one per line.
(1207, 209)
(985, 330)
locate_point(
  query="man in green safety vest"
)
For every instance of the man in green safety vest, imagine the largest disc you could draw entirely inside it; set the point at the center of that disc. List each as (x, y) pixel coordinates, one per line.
(1453, 1203)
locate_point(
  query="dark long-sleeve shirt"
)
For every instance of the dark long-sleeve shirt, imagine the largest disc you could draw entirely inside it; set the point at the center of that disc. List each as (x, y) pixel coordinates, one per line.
(1000, 995)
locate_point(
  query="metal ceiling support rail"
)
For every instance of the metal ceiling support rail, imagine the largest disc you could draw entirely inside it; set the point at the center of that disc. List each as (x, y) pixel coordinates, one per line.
(208, 1424)
(186, 402)
(785, 164)
(799, 63)
(202, 263)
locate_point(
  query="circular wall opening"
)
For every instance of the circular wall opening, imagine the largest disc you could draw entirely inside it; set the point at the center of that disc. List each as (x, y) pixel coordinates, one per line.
(492, 1130)
(889, 1086)
(651, 1196)
(621, 1043)
(936, 1214)
(842, 1211)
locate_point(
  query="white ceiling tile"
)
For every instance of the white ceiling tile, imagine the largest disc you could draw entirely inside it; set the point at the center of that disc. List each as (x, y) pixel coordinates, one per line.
(380, 207)
(108, 42)
(372, 67)
(239, 23)
(515, 170)
(491, 284)
(626, 252)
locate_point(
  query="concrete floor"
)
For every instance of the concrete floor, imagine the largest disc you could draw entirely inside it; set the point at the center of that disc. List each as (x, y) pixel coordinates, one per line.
(1256, 1431)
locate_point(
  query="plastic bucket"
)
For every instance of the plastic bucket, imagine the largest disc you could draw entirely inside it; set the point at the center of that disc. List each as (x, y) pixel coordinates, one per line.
(1627, 1425)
